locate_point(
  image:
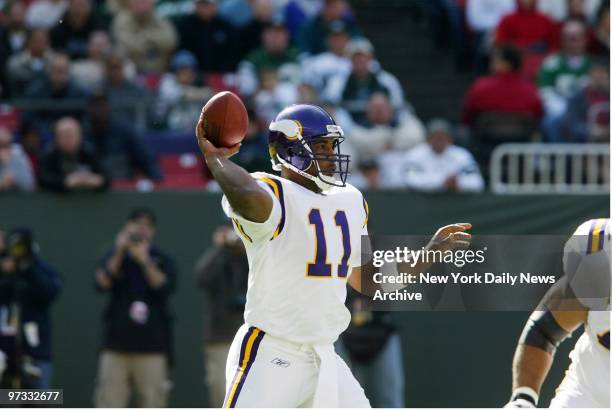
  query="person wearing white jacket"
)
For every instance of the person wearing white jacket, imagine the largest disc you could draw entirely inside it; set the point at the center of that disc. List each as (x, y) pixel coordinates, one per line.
(385, 129)
(436, 165)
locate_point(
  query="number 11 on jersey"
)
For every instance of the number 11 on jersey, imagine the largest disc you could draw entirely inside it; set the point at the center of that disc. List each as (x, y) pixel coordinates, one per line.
(320, 267)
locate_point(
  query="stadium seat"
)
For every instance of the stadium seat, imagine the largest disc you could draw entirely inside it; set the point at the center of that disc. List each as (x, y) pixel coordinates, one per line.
(494, 128)
(151, 81)
(10, 117)
(182, 171)
(217, 82)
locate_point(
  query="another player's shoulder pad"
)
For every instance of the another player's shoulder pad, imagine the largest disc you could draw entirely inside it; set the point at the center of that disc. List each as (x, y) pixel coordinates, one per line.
(589, 237)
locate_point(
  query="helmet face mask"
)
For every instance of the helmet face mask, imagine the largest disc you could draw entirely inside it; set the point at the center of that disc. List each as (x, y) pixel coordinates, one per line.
(292, 138)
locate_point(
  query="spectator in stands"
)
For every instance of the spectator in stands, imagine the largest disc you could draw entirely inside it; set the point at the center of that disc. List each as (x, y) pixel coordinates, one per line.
(28, 65)
(13, 38)
(31, 142)
(222, 273)
(587, 118)
(45, 13)
(275, 53)
(298, 13)
(561, 10)
(448, 25)
(599, 40)
(250, 34)
(504, 91)
(238, 13)
(438, 165)
(128, 99)
(366, 176)
(147, 39)
(63, 97)
(352, 90)
(561, 75)
(253, 155)
(120, 148)
(209, 37)
(69, 165)
(273, 95)
(15, 169)
(314, 34)
(528, 29)
(28, 287)
(71, 35)
(483, 17)
(89, 73)
(319, 69)
(181, 93)
(307, 94)
(385, 129)
(118, 6)
(137, 338)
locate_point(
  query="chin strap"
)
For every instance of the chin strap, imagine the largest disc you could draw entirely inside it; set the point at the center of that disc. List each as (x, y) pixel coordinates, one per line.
(321, 184)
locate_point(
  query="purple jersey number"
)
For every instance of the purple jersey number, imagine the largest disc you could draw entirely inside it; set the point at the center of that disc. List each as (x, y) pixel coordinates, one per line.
(320, 267)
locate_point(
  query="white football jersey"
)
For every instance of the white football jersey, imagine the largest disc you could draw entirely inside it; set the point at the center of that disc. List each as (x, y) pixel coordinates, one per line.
(591, 354)
(300, 259)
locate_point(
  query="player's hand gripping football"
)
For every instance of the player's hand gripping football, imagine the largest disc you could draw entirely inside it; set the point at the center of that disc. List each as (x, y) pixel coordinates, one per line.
(207, 147)
(451, 237)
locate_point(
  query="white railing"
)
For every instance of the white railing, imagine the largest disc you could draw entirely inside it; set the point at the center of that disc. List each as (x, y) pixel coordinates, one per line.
(536, 168)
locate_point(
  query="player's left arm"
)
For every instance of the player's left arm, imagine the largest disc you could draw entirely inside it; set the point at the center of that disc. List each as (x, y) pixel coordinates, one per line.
(559, 314)
(449, 237)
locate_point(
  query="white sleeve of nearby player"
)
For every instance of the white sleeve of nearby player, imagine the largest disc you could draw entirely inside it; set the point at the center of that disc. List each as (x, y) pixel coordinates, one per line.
(254, 231)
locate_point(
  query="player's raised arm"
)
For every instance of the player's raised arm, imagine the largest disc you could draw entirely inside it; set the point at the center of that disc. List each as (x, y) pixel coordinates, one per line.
(245, 196)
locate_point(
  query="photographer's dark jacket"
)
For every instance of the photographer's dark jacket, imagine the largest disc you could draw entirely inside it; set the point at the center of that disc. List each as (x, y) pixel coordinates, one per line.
(32, 291)
(223, 274)
(137, 318)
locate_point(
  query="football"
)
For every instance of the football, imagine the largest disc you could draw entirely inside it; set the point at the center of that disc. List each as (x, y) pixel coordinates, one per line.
(225, 119)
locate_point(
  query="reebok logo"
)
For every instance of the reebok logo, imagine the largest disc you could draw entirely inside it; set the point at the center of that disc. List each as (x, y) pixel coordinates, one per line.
(280, 362)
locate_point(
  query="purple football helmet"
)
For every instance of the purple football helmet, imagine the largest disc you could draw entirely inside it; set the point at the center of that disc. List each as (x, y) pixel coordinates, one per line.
(291, 138)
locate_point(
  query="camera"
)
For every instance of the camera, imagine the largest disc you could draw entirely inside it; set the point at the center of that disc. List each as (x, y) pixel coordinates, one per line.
(19, 244)
(136, 238)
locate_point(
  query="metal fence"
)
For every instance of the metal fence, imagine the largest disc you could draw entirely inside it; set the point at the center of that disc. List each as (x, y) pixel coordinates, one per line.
(550, 168)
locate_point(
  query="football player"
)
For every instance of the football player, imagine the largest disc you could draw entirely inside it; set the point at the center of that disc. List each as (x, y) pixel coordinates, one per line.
(302, 232)
(581, 297)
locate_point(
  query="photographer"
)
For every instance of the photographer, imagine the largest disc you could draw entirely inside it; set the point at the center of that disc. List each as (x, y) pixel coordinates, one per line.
(28, 286)
(137, 324)
(222, 272)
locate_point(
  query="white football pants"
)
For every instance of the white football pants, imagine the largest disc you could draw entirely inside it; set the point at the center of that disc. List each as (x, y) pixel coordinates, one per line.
(265, 371)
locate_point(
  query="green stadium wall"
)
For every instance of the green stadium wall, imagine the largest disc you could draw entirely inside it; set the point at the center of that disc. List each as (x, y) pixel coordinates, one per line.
(451, 359)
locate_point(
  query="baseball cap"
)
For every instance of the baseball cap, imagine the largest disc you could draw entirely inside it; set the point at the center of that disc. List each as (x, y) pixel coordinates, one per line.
(337, 26)
(184, 59)
(360, 45)
(439, 125)
(277, 22)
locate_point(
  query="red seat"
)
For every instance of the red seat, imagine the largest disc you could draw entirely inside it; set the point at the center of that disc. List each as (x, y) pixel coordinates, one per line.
(9, 117)
(216, 81)
(182, 171)
(151, 81)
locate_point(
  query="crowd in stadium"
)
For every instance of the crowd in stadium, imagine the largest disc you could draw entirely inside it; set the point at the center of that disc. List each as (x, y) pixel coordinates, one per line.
(92, 93)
